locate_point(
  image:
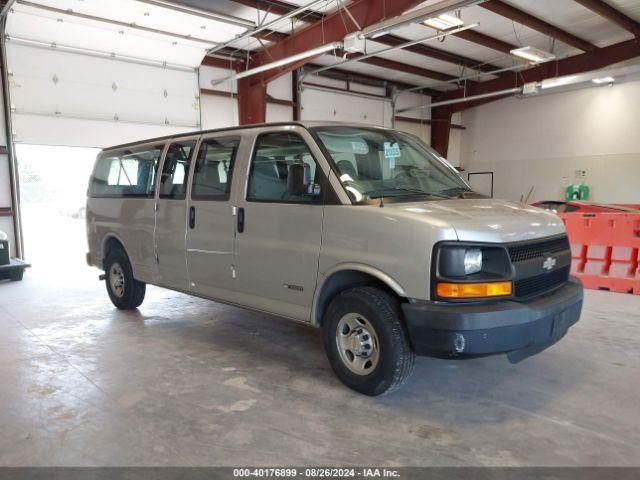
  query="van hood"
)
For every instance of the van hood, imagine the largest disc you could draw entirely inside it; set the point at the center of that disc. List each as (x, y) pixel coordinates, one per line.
(487, 220)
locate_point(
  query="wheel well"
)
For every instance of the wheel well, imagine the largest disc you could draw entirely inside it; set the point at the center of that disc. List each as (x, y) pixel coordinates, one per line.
(111, 244)
(344, 280)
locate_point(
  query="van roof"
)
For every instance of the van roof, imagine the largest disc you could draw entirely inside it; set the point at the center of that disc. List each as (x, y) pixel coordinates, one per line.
(304, 124)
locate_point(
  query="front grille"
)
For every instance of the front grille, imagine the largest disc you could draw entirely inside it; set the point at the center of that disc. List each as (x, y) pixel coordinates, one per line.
(541, 283)
(529, 251)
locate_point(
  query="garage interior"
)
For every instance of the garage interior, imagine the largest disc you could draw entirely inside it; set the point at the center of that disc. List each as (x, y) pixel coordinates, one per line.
(525, 98)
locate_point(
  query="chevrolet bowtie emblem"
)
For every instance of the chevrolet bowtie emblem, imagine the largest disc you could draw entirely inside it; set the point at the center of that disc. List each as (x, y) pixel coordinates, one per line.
(549, 263)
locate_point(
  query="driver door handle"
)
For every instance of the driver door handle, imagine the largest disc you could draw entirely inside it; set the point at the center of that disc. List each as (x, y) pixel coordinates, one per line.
(240, 225)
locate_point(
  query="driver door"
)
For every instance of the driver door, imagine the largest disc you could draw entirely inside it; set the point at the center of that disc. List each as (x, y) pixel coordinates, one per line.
(278, 234)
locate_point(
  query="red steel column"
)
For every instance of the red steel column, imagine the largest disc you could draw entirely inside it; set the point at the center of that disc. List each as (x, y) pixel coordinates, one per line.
(440, 130)
(252, 101)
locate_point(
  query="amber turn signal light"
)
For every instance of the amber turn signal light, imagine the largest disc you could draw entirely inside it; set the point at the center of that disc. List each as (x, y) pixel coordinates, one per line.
(473, 290)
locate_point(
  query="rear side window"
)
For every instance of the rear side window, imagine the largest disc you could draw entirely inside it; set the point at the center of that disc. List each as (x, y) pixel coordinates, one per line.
(175, 170)
(127, 173)
(214, 166)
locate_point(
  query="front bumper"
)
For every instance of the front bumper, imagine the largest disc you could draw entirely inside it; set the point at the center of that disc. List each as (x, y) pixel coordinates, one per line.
(521, 329)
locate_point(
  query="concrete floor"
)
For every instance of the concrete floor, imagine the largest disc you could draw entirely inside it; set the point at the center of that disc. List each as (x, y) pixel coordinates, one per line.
(185, 381)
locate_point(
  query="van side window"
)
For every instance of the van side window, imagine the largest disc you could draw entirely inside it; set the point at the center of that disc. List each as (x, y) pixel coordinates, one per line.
(173, 182)
(212, 173)
(128, 173)
(274, 153)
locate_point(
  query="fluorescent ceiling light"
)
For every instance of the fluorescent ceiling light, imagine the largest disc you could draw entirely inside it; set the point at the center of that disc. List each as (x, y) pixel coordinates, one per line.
(601, 80)
(560, 81)
(280, 63)
(533, 54)
(443, 22)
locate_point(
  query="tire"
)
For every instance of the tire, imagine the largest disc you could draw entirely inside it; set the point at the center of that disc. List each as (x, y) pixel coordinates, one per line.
(16, 276)
(368, 316)
(125, 292)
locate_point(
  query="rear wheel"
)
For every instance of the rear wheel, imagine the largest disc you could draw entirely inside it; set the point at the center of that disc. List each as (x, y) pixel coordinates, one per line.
(366, 341)
(125, 292)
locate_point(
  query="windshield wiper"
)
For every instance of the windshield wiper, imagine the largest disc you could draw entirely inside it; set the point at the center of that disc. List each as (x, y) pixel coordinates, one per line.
(459, 191)
(412, 191)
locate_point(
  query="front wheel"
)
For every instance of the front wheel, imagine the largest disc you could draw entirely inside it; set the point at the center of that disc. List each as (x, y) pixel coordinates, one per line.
(366, 341)
(125, 292)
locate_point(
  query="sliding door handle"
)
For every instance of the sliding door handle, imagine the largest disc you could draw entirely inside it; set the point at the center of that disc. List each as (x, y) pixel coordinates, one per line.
(240, 220)
(192, 217)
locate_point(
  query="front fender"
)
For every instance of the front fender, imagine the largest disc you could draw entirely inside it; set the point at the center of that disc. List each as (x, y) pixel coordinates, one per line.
(324, 287)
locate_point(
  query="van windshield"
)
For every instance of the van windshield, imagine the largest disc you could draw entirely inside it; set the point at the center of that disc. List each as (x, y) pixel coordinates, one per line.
(374, 163)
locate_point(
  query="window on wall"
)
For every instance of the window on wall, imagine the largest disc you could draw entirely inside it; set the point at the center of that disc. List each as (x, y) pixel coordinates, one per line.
(175, 170)
(127, 173)
(213, 169)
(273, 157)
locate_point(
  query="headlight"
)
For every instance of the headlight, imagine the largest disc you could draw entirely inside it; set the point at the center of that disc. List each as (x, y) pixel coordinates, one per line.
(3, 236)
(459, 261)
(472, 261)
(470, 271)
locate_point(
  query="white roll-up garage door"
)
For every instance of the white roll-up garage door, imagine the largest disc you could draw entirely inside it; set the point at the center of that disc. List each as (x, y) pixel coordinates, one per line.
(81, 82)
(347, 107)
(61, 98)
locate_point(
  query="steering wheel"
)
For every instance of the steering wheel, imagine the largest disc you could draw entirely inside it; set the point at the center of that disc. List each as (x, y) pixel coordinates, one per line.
(406, 179)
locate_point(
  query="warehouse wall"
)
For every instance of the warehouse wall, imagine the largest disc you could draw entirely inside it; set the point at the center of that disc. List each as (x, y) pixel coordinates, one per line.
(542, 141)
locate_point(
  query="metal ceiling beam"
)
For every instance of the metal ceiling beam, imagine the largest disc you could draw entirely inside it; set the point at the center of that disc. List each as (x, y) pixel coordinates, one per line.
(278, 7)
(365, 79)
(270, 35)
(415, 16)
(237, 63)
(616, 16)
(486, 41)
(232, 63)
(266, 26)
(346, 91)
(280, 63)
(436, 53)
(500, 72)
(519, 16)
(405, 68)
(332, 28)
(585, 62)
(229, 63)
(374, 58)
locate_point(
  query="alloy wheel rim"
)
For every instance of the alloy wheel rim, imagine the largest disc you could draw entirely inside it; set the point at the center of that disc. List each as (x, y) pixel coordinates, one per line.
(357, 344)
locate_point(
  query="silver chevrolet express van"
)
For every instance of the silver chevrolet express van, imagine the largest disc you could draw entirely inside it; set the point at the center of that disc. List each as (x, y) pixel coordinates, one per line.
(366, 232)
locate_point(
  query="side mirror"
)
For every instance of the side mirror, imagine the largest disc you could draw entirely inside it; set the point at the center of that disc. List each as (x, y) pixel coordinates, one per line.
(299, 180)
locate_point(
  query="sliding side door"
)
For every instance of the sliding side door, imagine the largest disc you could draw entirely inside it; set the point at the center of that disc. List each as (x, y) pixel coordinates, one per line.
(210, 217)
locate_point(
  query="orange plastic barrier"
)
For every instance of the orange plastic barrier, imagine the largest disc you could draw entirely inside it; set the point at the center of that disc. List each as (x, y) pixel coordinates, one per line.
(605, 250)
(630, 205)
